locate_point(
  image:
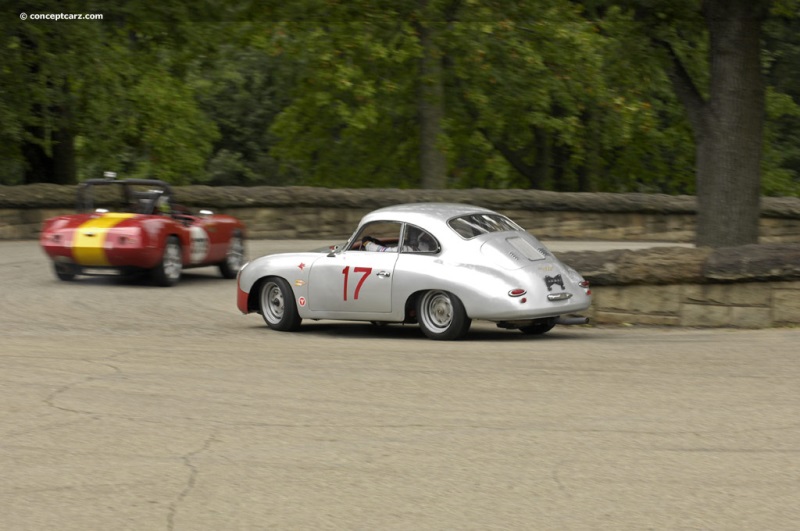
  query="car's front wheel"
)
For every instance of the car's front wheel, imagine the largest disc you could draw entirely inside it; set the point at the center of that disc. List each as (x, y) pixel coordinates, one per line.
(168, 271)
(278, 306)
(234, 258)
(441, 315)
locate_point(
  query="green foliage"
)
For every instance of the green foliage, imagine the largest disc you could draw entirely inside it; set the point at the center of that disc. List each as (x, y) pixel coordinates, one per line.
(551, 94)
(117, 85)
(580, 102)
(241, 94)
(556, 100)
(658, 152)
(781, 165)
(350, 116)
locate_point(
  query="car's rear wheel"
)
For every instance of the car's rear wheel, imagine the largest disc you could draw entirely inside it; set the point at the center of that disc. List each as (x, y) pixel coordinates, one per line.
(65, 271)
(540, 327)
(278, 306)
(234, 258)
(441, 315)
(168, 271)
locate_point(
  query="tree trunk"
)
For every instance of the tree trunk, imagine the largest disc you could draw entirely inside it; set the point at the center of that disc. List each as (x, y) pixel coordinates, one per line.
(541, 175)
(728, 133)
(432, 161)
(56, 165)
(38, 164)
(52, 159)
(728, 126)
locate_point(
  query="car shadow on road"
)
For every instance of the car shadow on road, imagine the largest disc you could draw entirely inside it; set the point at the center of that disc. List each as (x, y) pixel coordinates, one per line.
(142, 279)
(411, 332)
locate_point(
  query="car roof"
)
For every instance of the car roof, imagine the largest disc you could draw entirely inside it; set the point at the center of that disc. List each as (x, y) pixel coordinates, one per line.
(420, 213)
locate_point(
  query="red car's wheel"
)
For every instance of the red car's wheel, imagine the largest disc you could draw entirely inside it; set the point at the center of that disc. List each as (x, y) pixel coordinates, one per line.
(65, 271)
(168, 271)
(234, 258)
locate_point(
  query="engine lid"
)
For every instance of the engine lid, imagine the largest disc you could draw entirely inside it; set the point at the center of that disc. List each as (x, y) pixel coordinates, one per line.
(515, 252)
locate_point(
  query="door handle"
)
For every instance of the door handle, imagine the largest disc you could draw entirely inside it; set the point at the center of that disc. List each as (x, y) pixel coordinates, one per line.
(384, 274)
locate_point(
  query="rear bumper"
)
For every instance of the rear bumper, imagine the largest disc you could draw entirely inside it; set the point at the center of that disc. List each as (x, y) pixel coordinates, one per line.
(142, 258)
(520, 309)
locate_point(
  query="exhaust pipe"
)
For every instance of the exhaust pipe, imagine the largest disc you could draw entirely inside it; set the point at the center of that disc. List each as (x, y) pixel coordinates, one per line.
(572, 320)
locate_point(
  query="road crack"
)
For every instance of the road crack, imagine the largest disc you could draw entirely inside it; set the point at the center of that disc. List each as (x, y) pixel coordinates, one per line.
(191, 480)
(52, 398)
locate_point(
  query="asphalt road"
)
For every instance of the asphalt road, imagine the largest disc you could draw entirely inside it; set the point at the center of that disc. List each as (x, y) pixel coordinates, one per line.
(127, 406)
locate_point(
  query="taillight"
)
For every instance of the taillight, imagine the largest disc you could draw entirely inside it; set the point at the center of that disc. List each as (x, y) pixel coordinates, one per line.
(585, 285)
(517, 292)
(129, 237)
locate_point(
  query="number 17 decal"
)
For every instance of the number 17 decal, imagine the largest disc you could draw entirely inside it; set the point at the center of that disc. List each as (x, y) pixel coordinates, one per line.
(346, 272)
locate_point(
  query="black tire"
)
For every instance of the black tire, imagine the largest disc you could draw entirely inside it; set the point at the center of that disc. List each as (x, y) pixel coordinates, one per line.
(539, 328)
(442, 316)
(277, 304)
(234, 258)
(65, 271)
(168, 271)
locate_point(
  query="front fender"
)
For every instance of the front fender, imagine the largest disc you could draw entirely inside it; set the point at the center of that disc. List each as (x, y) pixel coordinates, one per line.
(292, 267)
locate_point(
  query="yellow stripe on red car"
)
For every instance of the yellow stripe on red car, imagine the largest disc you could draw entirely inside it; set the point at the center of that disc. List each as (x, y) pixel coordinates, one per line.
(88, 244)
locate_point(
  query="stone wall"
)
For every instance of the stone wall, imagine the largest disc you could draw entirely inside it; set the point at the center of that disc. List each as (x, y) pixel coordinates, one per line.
(740, 305)
(318, 213)
(752, 286)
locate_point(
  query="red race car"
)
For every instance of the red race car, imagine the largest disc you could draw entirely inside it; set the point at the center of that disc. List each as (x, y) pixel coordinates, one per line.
(132, 225)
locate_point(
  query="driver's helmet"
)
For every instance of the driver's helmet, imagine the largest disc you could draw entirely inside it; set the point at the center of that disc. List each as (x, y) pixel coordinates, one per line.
(419, 240)
(425, 242)
(162, 204)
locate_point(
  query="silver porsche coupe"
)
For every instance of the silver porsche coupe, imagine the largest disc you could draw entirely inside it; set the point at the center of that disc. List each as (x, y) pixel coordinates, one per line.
(440, 265)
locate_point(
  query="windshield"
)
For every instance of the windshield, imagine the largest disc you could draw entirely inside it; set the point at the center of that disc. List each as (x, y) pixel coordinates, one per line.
(139, 196)
(476, 224)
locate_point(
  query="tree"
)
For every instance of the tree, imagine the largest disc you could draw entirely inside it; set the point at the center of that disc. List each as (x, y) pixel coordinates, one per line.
(539, 100)
(781, 168)
(568, 95)
(353, 71)
(106, 94)
(724, 99)
(241, 93)
(484, 93)
(728, 123)
(432, 161)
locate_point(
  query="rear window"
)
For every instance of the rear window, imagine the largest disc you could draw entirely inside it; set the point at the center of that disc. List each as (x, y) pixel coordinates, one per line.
(476, 224)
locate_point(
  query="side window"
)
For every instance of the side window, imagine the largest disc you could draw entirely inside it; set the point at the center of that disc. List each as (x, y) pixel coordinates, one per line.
(378, 236)
(417, 240)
